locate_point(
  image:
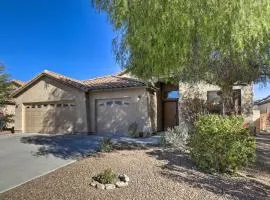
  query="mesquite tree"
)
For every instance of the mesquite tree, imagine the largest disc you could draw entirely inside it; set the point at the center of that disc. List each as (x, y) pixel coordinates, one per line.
(220, 42)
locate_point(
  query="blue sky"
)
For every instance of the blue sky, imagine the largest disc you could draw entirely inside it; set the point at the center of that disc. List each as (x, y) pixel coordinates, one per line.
(66, 36)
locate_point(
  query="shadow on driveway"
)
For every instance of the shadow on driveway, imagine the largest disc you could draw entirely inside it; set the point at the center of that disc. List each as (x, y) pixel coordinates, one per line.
(74, 146)
(63, 146)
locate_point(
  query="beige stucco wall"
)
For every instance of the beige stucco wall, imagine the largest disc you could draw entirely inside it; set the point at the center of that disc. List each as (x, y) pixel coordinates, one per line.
(264, 108)
(202, 88)
(139, 99)
(48, 90)
(9, 109)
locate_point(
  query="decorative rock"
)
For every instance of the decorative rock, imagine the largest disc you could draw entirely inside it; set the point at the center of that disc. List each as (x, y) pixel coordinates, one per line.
(121, 184)
(109, 186)
(124, 178)
(100, 186)
(93, 183)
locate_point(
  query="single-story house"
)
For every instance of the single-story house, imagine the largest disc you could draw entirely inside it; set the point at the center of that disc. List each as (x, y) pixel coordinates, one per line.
(262, 107)
(9, 108)
(53, 103)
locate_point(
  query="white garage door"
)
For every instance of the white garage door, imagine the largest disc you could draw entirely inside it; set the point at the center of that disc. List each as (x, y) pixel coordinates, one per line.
(112, 115)
(50, 117)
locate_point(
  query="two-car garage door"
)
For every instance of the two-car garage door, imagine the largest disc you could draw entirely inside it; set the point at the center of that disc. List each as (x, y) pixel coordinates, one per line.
(112, 115)
(49, 117)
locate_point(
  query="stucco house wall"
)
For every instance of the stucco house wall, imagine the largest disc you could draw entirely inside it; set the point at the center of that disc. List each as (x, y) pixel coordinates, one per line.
(139, 113)
(47, 90)
(186, 90)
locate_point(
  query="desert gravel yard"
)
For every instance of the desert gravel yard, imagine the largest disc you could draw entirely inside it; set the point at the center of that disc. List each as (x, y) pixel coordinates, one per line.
(154, 173)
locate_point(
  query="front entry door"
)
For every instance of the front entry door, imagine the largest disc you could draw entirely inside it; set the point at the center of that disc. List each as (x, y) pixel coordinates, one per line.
(170, 109)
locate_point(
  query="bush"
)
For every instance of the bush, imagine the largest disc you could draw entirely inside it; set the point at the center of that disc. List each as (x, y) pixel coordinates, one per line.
(106, 177)
(221, 144)
(176, 137)
(133, 130)
(105, 145)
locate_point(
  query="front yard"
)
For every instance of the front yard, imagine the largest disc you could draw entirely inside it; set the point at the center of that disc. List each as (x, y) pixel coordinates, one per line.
(154, 173)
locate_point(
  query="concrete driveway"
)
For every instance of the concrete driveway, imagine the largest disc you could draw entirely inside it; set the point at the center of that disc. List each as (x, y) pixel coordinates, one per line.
(27, 156)
(24, 157)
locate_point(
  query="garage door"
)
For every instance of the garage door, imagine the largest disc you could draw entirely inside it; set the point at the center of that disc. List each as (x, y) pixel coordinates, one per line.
(50, 117)
(113, 115)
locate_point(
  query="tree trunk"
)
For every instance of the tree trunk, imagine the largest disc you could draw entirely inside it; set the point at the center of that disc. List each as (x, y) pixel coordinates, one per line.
(227, 100)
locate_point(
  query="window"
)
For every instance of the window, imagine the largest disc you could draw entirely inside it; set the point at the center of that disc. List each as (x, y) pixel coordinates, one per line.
(72, 105)
(33, 106)
(119, 103)
(101, 104)
(126, 103)
(214, 101)
(39, 106)
(52, 105)
(59, 105)
(109, 103)
(45, 105)
(172, 94)
(65, 105)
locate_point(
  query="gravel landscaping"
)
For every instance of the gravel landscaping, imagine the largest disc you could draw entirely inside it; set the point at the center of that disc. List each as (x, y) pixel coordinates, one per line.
(154, 174)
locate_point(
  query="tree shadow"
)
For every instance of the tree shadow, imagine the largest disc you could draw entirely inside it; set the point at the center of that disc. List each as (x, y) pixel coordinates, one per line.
(263, 152)
(180, 168)
(76, 146)
(65, 146)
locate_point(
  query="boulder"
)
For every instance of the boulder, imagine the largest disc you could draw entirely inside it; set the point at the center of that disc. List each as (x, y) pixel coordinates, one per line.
(124, 178)
(109, 186)
(100, 186)
(93, 183)
(121, 184)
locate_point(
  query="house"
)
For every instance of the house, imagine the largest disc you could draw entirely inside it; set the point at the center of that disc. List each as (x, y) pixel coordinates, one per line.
(9, 108)
(53, 103)
(262, 106)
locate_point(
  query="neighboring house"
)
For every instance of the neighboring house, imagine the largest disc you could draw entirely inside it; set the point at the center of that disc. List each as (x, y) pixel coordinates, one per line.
(263, 106)
(9, 108)
(53, 103)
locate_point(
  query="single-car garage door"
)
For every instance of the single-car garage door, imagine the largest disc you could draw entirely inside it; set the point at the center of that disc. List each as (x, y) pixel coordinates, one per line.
(50, 117)
(112, 115)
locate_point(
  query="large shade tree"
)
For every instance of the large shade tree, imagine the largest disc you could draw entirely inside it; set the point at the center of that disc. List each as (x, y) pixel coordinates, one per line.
(220, 42)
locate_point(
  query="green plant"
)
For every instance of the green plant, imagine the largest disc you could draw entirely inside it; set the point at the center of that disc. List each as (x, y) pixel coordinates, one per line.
(221, 143)
(106, 177)
(105, 145)
(176, 137)
(133, 130)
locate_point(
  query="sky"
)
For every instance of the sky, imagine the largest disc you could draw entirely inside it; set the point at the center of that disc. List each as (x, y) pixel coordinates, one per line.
(65, 36)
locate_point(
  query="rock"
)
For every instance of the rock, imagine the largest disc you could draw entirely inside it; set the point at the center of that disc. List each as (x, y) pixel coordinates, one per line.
(93, 183)
(124, 177)
(100, 186)
(121, 184)
(109, 186)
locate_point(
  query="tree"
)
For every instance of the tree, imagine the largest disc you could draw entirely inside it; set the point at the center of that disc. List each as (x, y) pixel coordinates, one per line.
(5, 89)
(220, 42)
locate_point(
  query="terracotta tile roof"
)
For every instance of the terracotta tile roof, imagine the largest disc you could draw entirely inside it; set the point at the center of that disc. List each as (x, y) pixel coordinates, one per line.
(18, 82)
(9, 102)
(262, 101)
(110, 82)
(107, 82)
(76, 83)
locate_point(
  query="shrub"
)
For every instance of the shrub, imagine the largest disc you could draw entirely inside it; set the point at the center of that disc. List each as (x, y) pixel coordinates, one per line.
(105, 145)
(133, 130)
(106, 177)
(176, 137)
(221, 144)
